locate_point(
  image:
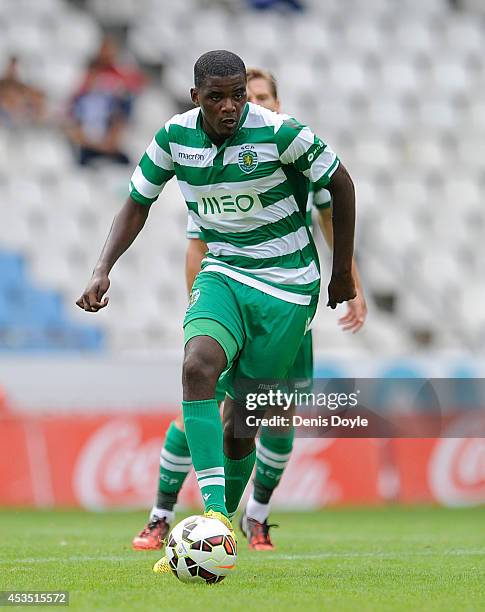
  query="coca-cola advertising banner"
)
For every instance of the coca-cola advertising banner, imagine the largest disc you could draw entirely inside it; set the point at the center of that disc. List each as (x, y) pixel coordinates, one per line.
(106, 461)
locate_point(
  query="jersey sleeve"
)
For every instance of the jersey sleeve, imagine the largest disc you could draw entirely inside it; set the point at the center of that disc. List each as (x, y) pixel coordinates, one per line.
(154, 170)
(193, 230)
(307, 153)
(322, 199)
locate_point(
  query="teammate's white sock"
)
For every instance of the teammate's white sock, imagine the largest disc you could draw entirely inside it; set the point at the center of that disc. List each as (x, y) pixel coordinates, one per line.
(160, 513)
(256, 510)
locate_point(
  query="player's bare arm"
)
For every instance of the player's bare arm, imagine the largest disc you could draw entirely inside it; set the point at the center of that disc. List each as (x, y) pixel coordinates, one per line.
(341, 287)
(196, 249)
(125, 228)
(356, 314)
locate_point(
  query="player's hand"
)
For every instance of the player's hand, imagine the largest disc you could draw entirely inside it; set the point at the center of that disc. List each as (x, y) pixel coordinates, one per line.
(340, 289)
(356, 313)
(92, 299)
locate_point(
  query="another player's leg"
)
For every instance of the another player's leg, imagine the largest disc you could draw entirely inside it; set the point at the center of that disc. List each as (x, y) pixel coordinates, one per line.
(272, 455)
(275, 328)
(239, 458)
(175, 464)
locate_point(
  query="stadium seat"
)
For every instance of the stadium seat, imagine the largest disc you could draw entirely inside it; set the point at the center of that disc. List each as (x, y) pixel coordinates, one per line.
(78, 33)
(414, 35)
(438, 114)
(389, 114)
(25, 38)
(464, 34)
(121, 14)
(400, 76)
(364, 37)
(476, 119)
(34, 318)
(424, 9)
(472, 317)
(426, 151)
(12, 269)
(439, 270)
(348, 76)
(14, 230)
(451, 77)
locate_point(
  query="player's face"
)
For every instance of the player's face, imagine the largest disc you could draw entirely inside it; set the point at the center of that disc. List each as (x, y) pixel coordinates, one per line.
(260, 92)
(222, 101)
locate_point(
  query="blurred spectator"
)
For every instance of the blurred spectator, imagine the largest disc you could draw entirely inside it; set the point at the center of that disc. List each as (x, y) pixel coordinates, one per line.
(101, 108)
(113, 74)
(296, 5)
(20, 104)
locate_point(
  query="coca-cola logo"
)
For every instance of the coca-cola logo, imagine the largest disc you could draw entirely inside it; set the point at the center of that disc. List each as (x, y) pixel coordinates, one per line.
(117, 467)
(307, 481)
(457, 471)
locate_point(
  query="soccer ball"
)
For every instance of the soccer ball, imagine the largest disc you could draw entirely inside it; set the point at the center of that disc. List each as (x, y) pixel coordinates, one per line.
(201, 549)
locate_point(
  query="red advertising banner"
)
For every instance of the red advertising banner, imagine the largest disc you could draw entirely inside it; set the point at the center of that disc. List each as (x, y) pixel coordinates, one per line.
(105, 461)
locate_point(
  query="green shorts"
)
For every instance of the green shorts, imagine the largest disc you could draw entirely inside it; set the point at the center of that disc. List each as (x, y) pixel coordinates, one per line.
(267, 332)
(301, 372)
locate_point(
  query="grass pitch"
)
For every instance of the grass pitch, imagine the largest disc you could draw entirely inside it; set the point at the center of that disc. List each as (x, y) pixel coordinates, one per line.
(366, 559)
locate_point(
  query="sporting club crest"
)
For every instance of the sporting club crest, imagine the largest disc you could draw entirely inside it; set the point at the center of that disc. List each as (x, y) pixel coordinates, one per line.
(248, 160)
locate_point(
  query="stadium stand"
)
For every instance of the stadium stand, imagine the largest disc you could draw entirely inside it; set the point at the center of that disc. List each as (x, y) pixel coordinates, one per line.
(396, 87)
(33, 319)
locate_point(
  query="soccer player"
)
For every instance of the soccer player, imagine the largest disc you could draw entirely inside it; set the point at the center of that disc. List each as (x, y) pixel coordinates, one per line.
(272, 453)
(243, 171)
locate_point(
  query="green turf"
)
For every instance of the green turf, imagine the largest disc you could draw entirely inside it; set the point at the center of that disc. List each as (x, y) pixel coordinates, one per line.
(389, 559)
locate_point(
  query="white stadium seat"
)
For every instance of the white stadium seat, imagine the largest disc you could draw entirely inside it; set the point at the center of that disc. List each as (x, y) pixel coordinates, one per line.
(400, 76)
(464, 34)
(415, 36)
(451, 77)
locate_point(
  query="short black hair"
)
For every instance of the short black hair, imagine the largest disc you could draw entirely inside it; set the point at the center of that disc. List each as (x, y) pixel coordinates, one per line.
(217, 63)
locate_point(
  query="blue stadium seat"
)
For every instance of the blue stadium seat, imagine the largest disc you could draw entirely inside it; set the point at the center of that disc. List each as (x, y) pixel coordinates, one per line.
(12, 269)
(34, 319)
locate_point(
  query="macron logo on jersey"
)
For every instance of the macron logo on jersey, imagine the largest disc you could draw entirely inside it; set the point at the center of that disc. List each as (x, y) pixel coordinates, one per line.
(191, 156)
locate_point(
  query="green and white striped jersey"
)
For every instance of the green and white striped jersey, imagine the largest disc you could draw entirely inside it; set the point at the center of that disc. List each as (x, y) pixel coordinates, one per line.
(194, 232)
(248, 196)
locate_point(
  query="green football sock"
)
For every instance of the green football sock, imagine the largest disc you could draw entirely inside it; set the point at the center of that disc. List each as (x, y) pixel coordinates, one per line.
(175, 464)
(272, 455)
(237, 473)
(203, 428)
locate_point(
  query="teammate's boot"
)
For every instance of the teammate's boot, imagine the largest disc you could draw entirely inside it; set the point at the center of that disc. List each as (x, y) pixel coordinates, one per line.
(152, 536)
(162, 566)
(256, 533)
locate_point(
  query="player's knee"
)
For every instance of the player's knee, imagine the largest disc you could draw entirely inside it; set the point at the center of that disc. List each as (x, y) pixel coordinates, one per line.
(196, 369)
(204, 361)
(204, 351)
(200, 372)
